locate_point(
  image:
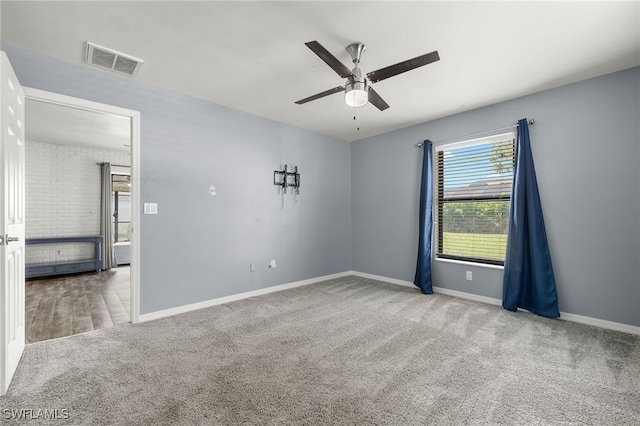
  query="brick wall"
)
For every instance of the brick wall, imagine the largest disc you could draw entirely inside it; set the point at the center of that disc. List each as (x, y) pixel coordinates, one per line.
(63, 197)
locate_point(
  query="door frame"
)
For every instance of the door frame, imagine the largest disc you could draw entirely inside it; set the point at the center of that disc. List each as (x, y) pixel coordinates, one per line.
(83, 104)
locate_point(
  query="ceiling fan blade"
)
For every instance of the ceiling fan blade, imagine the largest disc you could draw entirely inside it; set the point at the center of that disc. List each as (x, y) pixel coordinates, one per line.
(376, 100)
(399, 68)
(329, 59)
(321, 95)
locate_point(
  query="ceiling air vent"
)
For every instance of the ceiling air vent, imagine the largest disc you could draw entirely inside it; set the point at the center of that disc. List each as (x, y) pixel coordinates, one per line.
(110, 59)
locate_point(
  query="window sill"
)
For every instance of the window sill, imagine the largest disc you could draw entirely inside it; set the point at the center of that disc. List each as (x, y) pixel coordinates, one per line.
(462, 262)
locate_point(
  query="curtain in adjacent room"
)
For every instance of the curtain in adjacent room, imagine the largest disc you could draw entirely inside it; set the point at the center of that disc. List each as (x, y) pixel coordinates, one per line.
(423, 269)
(106, 216)
(528, 280)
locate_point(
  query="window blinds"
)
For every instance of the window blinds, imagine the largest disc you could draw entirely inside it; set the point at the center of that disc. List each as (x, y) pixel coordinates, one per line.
(473, 187)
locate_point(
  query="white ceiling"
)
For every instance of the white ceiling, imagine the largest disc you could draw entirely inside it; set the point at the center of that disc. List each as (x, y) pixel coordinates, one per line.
(251, 56)
(64, 125)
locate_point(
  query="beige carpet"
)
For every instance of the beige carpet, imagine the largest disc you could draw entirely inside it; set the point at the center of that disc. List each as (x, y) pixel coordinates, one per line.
(346, 351)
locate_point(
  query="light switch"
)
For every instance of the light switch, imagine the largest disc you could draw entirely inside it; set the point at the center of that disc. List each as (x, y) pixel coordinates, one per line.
(150, 208)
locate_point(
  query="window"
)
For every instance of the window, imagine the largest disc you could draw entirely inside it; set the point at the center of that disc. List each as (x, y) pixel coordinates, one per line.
(473, 195)
(121, 205)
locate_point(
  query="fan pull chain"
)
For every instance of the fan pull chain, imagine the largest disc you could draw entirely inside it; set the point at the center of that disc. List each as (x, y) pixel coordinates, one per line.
(358, 119)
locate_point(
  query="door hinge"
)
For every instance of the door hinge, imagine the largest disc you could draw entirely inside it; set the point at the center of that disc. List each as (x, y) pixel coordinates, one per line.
(1, 240)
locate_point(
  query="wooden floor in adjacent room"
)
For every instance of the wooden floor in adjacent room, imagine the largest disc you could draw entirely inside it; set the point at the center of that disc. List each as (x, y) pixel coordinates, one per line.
(72, 304)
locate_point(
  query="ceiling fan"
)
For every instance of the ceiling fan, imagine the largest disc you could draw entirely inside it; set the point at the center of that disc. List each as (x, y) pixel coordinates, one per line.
(357, 88)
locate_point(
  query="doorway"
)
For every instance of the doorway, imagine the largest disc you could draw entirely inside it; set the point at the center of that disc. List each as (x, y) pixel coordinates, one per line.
(121, 208)
(76, 112)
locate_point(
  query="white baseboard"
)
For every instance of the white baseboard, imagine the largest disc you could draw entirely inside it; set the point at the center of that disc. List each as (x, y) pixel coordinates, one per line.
(385, 279)
(219, 301)
(445, 291)
(468, 296)
(610, 325)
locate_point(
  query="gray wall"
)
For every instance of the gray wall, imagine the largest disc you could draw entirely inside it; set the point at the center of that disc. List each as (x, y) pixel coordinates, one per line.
(199, 247)
(358, 206)
(586, 149)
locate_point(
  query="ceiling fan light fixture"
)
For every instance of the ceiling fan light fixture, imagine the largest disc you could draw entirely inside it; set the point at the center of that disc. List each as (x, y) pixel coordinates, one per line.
(356, 94)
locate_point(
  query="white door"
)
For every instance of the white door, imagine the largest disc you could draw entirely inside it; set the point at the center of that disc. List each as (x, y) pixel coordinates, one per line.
(12, 325)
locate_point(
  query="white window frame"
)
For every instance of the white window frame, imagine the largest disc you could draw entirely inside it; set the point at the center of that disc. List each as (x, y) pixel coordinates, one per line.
(444, 146)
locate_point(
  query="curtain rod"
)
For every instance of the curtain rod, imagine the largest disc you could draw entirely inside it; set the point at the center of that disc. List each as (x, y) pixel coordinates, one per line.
(530, 122)
(114, 165)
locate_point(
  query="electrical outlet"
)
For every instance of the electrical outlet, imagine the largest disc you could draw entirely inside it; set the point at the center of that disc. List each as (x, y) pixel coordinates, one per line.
(252, 267)
(273, 264)
(469, 275)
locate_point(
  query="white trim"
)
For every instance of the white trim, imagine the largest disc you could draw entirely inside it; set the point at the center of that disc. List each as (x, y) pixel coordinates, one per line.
(115, 170)
(625, 328)
(463, 142)
(468, 296)
(489, 137)
(610, 325)
(385, 279)
(86, 105)
(445, 291)
(467, 263)
(136, 187)
(235, 297)
(78, 103)
(580, 319)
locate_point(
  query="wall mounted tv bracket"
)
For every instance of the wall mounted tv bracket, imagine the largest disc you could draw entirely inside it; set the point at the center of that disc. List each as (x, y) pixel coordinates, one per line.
(285, 179)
